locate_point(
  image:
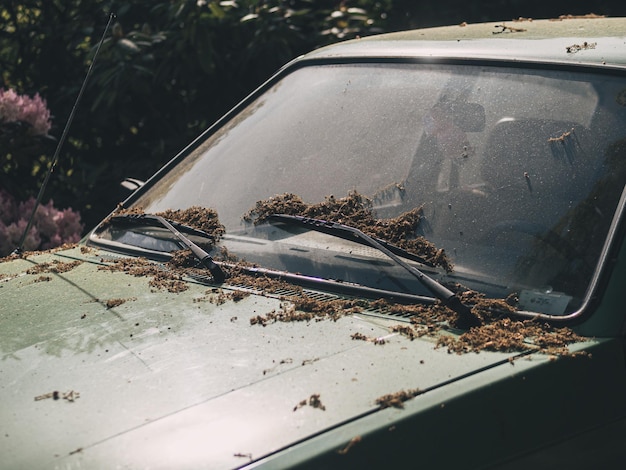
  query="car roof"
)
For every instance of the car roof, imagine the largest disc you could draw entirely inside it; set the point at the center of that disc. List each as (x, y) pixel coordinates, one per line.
(589, 40)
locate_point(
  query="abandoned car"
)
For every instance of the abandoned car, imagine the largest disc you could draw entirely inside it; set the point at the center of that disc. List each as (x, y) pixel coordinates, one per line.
(401, 250)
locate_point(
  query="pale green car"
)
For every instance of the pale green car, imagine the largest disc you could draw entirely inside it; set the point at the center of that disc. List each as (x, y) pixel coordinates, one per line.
(401, 251)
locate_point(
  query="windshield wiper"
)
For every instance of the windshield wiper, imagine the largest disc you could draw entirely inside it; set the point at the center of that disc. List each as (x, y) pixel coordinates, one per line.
(205, 259)
(466, 318)
(347, 233)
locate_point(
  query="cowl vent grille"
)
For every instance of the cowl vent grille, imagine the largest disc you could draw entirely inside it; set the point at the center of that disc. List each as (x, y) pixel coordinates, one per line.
(323, 297)
(279, 292)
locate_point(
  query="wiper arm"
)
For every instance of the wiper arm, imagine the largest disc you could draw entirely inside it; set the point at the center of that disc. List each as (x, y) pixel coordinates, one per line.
(466, 318)
(205, 259)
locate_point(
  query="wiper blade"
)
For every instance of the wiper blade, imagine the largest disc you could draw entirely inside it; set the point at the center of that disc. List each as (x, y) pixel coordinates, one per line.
(346, 232)
(466, 318)
(205, 259)
(150, 219)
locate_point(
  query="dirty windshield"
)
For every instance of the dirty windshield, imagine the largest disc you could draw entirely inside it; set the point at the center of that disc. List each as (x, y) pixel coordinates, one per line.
(503, 180)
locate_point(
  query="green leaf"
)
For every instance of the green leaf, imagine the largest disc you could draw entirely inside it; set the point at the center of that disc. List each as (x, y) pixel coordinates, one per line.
(216, 10)
(128, 45)
(249, 17)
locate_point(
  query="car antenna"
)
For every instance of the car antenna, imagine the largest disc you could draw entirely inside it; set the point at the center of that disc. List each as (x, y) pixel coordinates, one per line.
(20, 248)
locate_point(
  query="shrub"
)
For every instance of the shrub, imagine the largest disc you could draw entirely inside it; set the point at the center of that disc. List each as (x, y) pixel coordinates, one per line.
(24, 142)
(24, 122)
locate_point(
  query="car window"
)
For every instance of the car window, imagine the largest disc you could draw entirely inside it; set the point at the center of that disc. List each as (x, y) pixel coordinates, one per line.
(518, 172)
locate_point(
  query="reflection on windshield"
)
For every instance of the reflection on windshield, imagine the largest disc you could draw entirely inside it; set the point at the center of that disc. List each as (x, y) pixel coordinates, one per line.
(517, 172)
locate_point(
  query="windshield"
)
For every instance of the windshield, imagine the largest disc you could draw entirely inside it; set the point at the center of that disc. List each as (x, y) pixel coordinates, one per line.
(517, 174)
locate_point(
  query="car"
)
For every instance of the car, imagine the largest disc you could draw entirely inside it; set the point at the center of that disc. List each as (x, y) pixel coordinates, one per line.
(403, 250)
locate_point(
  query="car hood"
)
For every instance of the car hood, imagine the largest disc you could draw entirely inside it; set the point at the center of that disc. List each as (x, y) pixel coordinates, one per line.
(103, 369)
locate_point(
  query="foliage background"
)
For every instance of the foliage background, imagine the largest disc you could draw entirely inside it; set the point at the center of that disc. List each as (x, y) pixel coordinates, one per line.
(169, 68)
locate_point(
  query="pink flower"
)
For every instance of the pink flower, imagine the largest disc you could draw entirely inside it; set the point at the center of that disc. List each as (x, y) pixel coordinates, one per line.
(10, 105)
(34, 111)
(8, 207)
(51, 227)
(10, 236)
